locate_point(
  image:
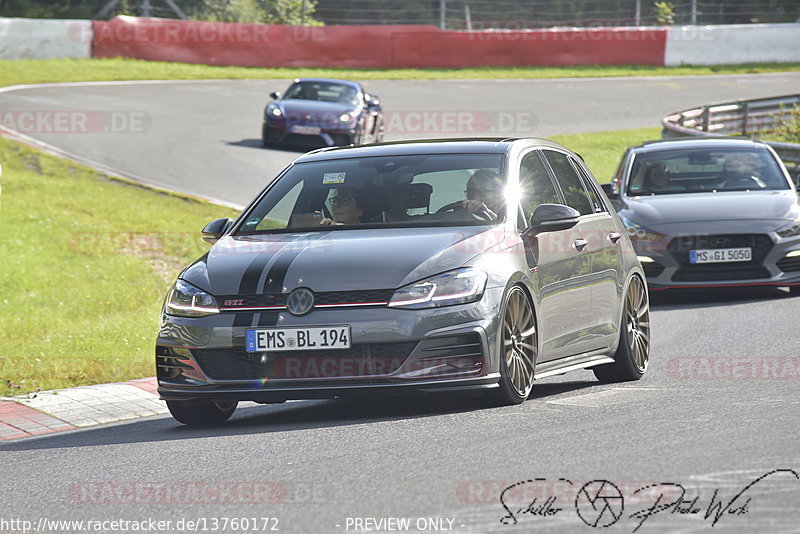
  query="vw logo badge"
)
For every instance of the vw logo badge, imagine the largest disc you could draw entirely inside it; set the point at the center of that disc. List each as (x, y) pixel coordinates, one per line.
(300, 301)
(720, 242)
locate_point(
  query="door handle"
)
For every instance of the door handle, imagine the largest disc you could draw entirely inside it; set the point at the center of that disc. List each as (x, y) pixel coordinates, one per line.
(580, 244)
(614, 236)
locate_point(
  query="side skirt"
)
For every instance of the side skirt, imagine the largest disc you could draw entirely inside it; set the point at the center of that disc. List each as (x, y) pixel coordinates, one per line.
(571, 363)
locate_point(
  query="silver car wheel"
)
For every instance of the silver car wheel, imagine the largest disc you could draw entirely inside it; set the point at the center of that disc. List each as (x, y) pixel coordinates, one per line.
(519, 342)
(637, 309)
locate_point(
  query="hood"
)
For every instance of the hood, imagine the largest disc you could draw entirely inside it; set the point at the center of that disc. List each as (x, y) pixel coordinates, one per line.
(770, 209)
(337, 260)
(322, 113)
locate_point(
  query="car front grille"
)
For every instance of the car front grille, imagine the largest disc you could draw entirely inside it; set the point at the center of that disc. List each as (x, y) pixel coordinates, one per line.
(789, 265)
(679, 247)
(378, 296)
(364, 360)
(324, 298)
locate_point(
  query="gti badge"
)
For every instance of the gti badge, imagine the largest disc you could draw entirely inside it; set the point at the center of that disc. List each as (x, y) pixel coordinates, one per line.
(300, 301)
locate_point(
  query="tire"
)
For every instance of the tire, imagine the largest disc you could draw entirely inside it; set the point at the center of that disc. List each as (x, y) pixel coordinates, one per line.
(201, 413)
(633, 352)
(518, 350)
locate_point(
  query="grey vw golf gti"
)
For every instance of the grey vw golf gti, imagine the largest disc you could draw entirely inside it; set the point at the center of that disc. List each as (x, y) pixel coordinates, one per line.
(407, 268)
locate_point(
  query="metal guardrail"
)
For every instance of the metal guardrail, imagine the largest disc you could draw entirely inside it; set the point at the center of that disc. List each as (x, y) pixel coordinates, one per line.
(749, 118)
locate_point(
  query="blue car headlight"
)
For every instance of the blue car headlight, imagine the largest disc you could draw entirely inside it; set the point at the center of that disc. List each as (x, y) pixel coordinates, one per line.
(272, 112)
(349, 119)
(186, 300)
(455, 287)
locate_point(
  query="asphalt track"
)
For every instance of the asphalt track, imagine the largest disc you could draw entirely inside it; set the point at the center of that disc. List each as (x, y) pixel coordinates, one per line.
(717, 410)
(204, 137)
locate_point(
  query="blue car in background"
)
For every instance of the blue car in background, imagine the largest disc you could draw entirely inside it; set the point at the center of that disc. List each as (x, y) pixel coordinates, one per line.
(322, 112)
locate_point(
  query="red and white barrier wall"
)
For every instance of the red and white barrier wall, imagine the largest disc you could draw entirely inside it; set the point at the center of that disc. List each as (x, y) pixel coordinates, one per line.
(45, 38)
(254, 45)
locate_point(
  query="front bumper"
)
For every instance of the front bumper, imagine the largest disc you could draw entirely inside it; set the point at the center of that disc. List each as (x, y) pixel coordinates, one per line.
(775, 262)
(280, 133)
(393, 351)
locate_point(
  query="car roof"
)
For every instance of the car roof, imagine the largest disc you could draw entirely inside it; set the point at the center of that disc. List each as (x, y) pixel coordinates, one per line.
(477, 145)
(332, 80)
(660, 145)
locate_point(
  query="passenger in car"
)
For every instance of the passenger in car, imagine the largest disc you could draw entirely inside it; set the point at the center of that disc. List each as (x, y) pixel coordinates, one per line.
(657, 179)
(484, 194)
(346, 207)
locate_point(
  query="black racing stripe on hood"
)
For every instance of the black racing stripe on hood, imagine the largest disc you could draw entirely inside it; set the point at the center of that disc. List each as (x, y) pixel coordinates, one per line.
(274, 279)
(277, 273)
(249, 283)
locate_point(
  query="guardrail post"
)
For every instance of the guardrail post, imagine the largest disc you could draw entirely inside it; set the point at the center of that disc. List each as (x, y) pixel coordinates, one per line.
(745, 117)
(705, 119)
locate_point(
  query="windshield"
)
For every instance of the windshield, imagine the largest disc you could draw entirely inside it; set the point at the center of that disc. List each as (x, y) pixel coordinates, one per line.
(396, 191)
(323, 92)
(690, 171)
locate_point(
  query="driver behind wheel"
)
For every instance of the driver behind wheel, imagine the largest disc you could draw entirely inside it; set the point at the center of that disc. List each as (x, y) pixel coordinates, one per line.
(737, 171)
(484, 194)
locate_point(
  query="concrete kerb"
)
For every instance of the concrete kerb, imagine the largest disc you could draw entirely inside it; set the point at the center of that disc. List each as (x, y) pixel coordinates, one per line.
(65, 409)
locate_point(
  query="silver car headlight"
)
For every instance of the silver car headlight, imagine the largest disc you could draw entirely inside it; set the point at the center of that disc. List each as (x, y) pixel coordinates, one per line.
(639, 233)
(186, 300)
(455, 287)
(791, 230)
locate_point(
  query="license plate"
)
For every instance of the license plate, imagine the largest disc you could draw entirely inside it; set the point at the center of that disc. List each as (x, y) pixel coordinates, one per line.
(305, 338)
(720, 255)
(307, 130)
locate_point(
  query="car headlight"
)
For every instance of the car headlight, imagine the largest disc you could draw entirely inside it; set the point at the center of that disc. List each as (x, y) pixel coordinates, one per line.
(186, 300)
(273, 111)
(639, 233)
(346, 117)
(791, 230)
(455, 287)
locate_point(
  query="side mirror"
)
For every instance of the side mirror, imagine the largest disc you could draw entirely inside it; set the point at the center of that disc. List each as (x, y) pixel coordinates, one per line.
(275, 95)
(215, 229)
(552, 218)
(608, 189)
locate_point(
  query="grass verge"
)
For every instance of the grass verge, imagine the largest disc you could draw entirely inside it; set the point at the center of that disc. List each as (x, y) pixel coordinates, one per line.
(602, 150)
(85, 263)
(79, 70)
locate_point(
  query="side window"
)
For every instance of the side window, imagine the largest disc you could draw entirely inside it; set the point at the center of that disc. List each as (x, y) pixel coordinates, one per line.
(536, 185)
(570, 182)
(597, 204)
(620, 170)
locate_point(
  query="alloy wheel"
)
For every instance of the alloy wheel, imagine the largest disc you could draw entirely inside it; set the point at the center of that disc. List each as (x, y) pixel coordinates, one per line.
(637, 311)
(519, 342)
